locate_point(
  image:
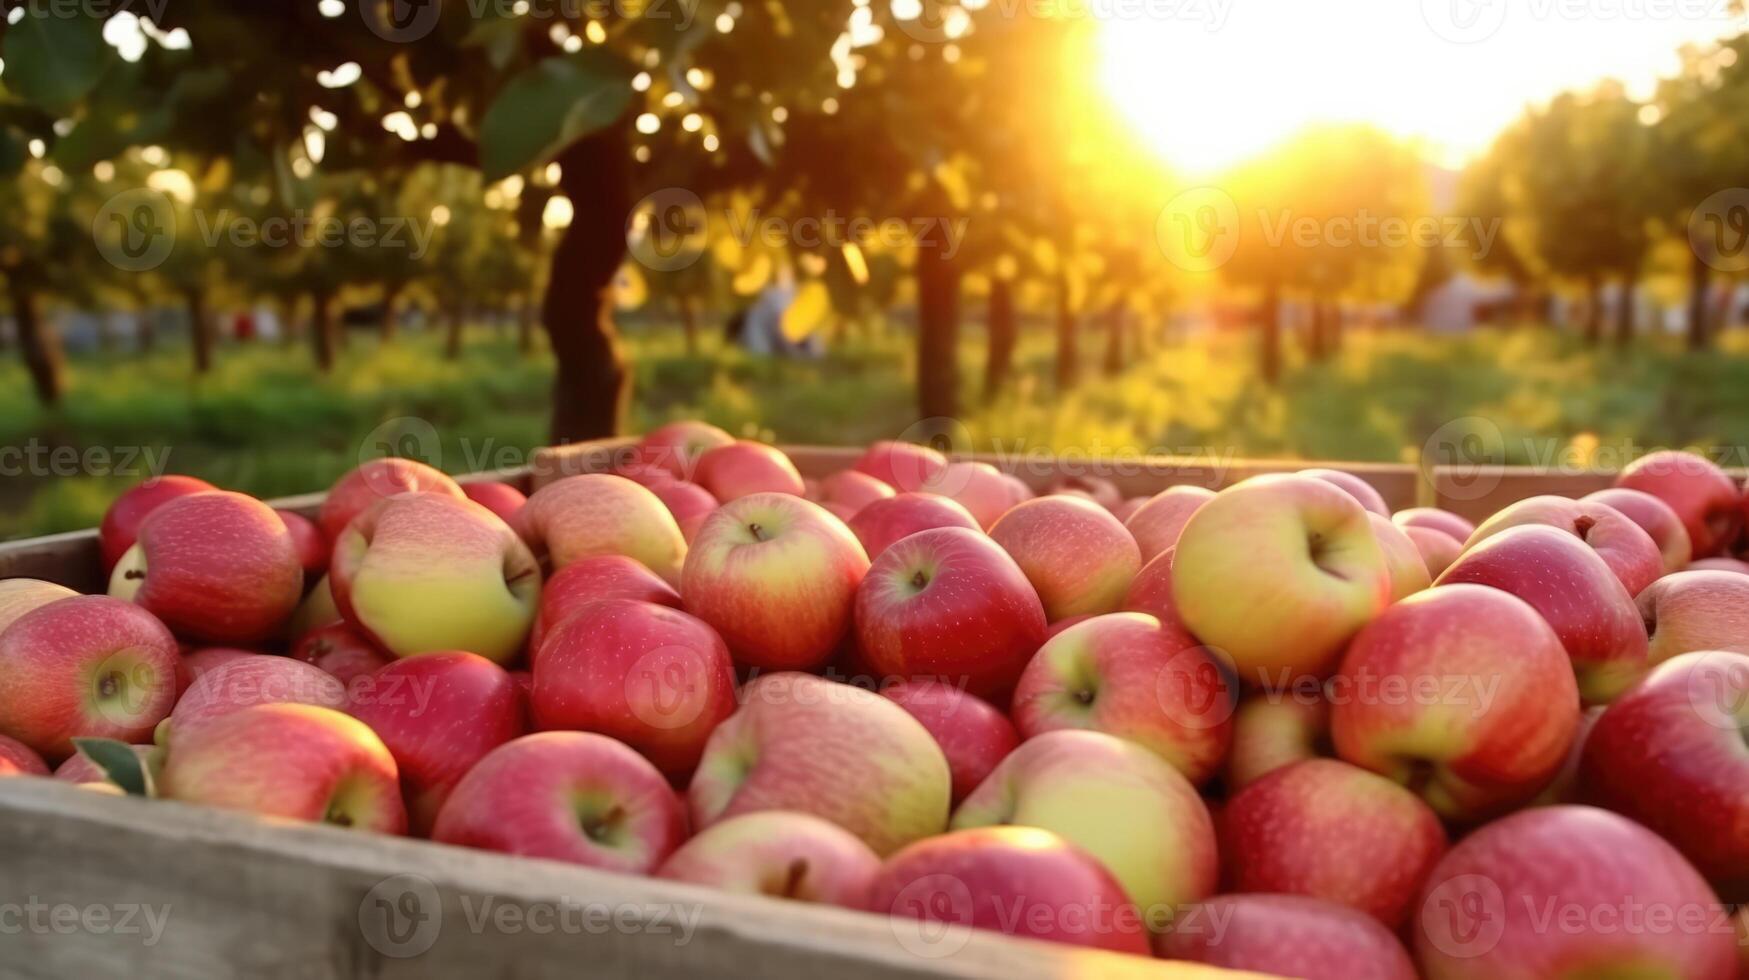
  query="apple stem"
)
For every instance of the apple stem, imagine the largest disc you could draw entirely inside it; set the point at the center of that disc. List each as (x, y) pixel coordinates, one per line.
(757, 530)
(792, 882)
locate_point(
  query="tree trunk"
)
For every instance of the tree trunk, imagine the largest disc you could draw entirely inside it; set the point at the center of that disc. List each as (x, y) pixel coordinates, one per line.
(1067, 330)
(938, 327)
(38, 343)
(146, 332)
(1594, 313)
(390, 324)
(1114, 346)
(1269, 346)
(453, 320)
(1332, 329)
(591, 387)
(323, 329)
(1002, 335)
(527, 317)
(1624, 316)
(1699, 299)
(688, 307)
(200, 329)
(1314, 341)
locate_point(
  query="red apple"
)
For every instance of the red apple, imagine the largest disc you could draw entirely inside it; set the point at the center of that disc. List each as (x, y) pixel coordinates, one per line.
(742, 469)
(376, 481)
(19, 759)
(948, 603)
(1151, 592)
(1732, 565)
(978, 487)
(1463, 694)
(1077, 556)
(89, 666)
(439, 714)
(1656, 518)
(677, 446)
(853, 490)
(1126, 510)
(215, 567)
(342, 651)
(1570, 891)
(1274, 729)
(121, 523)
(246, 681)
(1158, 522)
(310, 544)
(566, 796)
(1287, 936)
(882, 522)
(1018, 490)
(1696, 611)
(1021, 881)
(500, 498)
(197, 662)
(1623, 545)
(599, 514)
(1356, 487)
(1439, 550)
(775, 575)
(973, 735)
(1095, 488)
(294, 761)
(592, 580)
(1708, 501)
(1575, 591)
(1451, 525)
(688, 502)
(779, 854)
(1403, 561)
(904, 466)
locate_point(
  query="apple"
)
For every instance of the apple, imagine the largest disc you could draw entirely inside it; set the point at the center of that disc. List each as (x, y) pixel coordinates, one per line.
(215, 567)
(1095, 488)
(342, 651)
(689, 503)
(1656, 518)
(310, 544)
(439, 714)
(421, 573)
(566, 796)
(1438, 549)
(1565, 786)
(1696, 611)
(375, 481)
(779, 854)
(1708, 501)
(81, 771)
(244, 680)
(294, 761)
(599, 514)
(1287, 936)
(1451, 525)
(677, 446)
(1356, 487)
(1279, 573)
(19, 759)
(972, 733)
(1408, 570)
(1274, 729)
(1077, 556)
(316, 611)
(1151, 592)
(1126, 510)
(1018, 490)
(775, 575)
(948, 603)
(1022, 881)
(854, 490)
(742, 469)
(978, 487)
(1570, 891)
(592, 580)
(194, 663)
(1732, 565)
(1575, 591)
(650, 475)
(1326, 829)
(500, 498)
(653, 677)
(904, 466)
(1623, 545)
(21, 595)
(121, 523)
(880, 523)
(1462, 693)
(1158, 522)
(839, 752)
(87, 666)
(1117, 801)
(1130, 675)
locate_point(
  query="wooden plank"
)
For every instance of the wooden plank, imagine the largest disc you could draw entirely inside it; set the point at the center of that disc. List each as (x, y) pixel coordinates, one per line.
(235, 896)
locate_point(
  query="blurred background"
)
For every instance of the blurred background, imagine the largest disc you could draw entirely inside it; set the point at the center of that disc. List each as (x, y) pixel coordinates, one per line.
(250, 242)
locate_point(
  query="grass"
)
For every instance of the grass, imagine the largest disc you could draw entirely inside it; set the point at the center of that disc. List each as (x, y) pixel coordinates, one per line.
(265, 423)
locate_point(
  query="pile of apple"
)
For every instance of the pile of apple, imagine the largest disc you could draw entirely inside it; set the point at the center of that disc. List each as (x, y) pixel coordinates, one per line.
(1275, 728)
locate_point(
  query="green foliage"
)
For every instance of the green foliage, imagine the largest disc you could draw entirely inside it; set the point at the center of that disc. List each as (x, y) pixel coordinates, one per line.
(549, 106)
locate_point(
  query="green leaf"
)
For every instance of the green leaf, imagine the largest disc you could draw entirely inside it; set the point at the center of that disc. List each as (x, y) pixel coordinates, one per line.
(550, 106)
(54, 61)
(119, 762)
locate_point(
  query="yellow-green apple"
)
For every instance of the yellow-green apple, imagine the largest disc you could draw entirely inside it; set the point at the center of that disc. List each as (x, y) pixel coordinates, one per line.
(310, 543)
(215, 567)
(80, 770)
(1078, 557)
(1656, 518)
(881, 522)
(853, 489)
(1462, 693)
(1021, 881)
(1693, 611)
(844, 754)
(779, 854)
(1329, 830)
(1451, 525)
(1704, 496)
(972, 733)
(1732, 565)
(592, 580)
(742, 469)
(1356, 487)
(342, 651)
(1570, 891)
(378, 480)
(1287, 936)
(1158, 522)
(566, 796)
(88, 666)
(1095, 488)
(121, 523)
(978, 487)
(500, 498)
(653, 677)
(904, 466)
(317, 610)
(1408, 570)
(237, 682)
(439, 714)
(677, 446)
(948, 603)
(1117, 801)
(20, 595)
(600, 514)
(776, 575)
(688, 502)
(423, 572)
(1130, 675)
(1438, 549)
(1279, 572)
(1575, 591)
(294, 761)
(1623, 545)
(1273, 729)
(19, 759)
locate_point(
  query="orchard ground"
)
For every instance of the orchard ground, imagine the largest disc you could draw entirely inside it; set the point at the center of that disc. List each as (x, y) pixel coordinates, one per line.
(265, 423)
